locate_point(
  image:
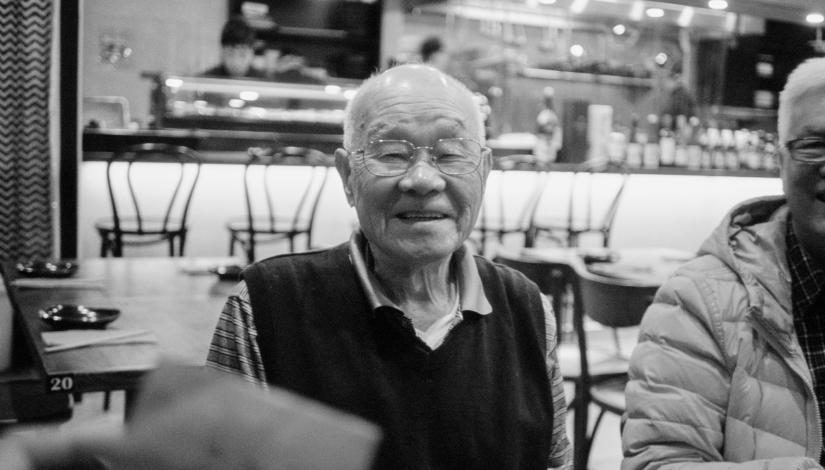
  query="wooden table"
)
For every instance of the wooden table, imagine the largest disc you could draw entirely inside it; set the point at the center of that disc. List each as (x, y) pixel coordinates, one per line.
(177, 299)
(649, 266)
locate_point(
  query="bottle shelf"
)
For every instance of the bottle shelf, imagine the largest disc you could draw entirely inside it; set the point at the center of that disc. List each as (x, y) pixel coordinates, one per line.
(548, 74)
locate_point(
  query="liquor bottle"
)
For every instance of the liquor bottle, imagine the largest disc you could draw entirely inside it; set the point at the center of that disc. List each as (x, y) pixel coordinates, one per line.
(694, 146)
(755, 147)
(728, 146)
(667, 142)
(633, 153)
(714, 158)
(548, 130)
(617, 144)
(769, 162)
(680, 158)
(650, 158)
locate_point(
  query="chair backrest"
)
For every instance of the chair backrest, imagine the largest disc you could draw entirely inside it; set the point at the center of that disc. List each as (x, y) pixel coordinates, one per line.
(591, 205)
(552, 278)
(609, 301)
(522, 188)
(269, 192)
(161, 193)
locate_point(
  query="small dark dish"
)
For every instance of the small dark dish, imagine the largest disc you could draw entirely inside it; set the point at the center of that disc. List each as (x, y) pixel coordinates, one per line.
(47, 268)
(599, 256)
(64, 317)
(229, 272)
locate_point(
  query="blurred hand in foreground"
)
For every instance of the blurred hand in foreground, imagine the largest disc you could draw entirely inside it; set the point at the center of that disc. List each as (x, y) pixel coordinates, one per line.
(190, 418)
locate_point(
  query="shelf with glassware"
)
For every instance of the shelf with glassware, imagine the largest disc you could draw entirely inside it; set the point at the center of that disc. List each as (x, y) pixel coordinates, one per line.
(250, 105)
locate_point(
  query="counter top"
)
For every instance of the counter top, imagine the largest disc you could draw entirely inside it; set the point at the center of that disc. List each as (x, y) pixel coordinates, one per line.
(230, 147)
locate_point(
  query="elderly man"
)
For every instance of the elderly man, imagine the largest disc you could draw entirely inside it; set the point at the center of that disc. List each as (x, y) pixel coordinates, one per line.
(730, 365)
(451, 355)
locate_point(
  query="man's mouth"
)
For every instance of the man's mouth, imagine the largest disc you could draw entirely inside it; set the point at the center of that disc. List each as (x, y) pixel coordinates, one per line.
(421, 216)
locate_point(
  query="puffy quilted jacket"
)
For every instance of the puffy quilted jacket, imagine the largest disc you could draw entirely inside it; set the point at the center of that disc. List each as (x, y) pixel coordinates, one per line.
(718, 379)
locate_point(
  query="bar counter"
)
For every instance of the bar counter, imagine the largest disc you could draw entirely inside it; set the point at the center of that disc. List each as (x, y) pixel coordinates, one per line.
(230, 146)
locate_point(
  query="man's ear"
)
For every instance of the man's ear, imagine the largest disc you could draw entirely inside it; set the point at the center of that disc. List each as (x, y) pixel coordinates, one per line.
(342, 164)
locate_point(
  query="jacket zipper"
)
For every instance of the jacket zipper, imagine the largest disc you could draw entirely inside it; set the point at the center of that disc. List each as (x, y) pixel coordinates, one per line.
(781, 346)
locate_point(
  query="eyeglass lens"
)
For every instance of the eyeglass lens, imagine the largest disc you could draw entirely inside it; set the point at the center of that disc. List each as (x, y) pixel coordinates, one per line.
(451, 156)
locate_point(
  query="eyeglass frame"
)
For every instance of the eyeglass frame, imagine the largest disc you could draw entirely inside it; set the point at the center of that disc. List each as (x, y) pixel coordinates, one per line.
(415, 148)
(788, 143)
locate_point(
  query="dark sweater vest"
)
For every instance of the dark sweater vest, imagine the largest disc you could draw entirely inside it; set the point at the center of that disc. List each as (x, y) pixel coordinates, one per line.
(482, 400)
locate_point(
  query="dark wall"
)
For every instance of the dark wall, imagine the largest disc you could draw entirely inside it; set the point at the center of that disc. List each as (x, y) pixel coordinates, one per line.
(784, 46)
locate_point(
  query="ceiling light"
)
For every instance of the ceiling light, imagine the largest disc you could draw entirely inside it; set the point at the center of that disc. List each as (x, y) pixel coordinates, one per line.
(578, 6)
(619, 29)
(685, 17)
(661, 59)
(547, 2)
(815, 18)
(655, 12)
(576, 50)
(637, 10)
(717, 4)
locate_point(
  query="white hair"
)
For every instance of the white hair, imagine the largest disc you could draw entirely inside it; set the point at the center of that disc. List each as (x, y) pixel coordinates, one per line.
(808, 77)
(358, 107)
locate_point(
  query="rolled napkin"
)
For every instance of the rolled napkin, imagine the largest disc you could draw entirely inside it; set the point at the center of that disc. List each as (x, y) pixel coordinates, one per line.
(71, 339)
(48, 283)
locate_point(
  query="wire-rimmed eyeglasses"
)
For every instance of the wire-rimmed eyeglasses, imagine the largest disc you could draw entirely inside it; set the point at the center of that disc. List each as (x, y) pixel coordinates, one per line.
(452, 156)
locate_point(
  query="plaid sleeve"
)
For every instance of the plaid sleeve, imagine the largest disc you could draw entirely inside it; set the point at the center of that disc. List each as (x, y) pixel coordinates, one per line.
(234, 347)
(561, 453)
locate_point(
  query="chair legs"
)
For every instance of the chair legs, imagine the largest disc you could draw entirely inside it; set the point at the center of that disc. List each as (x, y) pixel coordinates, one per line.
(581, 413)
(110, 243)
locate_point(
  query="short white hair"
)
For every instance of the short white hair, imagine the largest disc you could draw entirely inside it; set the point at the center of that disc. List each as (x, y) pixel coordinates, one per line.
(355, 110)
(808, 77)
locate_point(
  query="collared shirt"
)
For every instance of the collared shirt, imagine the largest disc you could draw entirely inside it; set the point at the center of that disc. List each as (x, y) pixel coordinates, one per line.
(807, 286)
(235, 350)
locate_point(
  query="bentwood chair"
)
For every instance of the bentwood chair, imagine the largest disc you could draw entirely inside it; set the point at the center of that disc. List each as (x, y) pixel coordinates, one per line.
(150, 190)
(282, 189)
(551, 279)
(497, 219)
(612, 304)
(590, 207)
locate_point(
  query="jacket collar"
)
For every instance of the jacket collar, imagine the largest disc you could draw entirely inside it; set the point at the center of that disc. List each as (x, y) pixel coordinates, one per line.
(751, 241)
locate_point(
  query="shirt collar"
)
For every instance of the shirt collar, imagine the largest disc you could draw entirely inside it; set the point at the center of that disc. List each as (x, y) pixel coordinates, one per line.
(807, 279)
(470, 288)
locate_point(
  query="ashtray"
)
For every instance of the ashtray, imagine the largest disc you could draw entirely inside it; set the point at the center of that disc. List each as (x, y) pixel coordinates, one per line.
(229, 272)
(64, 317)
(57, 268)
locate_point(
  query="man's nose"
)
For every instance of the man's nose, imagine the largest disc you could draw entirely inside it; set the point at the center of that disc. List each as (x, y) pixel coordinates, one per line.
(422, 177)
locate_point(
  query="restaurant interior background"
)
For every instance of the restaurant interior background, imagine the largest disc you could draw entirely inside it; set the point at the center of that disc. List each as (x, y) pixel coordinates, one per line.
(617, 53)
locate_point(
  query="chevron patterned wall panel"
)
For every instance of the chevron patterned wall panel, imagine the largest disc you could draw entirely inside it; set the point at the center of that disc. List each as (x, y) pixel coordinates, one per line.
(25, 189)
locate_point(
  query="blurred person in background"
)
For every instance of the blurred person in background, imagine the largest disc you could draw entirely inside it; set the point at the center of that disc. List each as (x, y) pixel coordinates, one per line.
(729, 371)
(454, 357)
(433, 53)
(237, 52)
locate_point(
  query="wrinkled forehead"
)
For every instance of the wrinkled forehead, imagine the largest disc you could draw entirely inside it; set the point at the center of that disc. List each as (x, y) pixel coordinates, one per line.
(413, 98)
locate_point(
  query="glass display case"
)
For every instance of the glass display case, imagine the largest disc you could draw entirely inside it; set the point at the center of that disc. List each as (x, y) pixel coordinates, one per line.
(230, 104)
